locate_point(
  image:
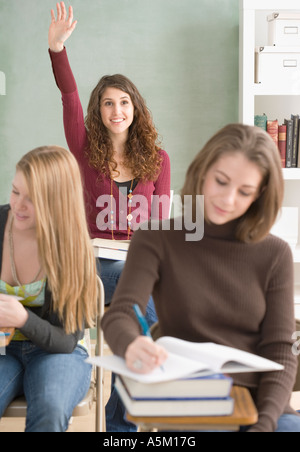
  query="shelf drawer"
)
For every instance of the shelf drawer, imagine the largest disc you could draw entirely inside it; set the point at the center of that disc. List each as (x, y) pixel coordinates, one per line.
(284, 29)
(278, 68)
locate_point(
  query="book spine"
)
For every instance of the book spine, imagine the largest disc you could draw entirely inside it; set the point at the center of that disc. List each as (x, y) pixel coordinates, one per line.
(272, 129)
(282, 144)
(289, 142)
(295, 119)
(261, 121)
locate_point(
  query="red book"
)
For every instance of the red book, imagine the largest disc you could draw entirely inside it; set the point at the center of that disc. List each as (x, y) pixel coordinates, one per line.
(272, 129)
(282, 143)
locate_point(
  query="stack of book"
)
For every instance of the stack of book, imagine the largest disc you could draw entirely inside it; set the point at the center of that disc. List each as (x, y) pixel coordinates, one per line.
(194, 396)
(285, 136)
(175, 389)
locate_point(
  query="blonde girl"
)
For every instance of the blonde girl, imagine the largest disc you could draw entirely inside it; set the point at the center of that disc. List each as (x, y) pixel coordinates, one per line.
(48, 289)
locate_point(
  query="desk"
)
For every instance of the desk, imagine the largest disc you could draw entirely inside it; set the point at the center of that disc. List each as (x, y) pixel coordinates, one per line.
(5, 340)
(245, 413)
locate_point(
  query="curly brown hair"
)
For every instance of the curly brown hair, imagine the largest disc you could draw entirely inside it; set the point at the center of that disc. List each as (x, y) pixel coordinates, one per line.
(142, 148)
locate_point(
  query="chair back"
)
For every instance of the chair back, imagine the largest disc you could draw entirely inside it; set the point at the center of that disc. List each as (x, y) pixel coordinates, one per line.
(297, 382)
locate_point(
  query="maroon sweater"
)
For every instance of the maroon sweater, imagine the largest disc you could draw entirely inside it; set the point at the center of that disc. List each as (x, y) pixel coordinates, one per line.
(98, 210)
(215, 290)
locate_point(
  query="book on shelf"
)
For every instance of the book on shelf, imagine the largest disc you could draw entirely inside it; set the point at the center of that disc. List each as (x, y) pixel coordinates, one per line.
(289, 144)
(196, 406)
(261, 121)
(111, 249)
(285, 136)
(295, 140)
(282, 144)
(187, 358)
(210, 387)
(272, 129)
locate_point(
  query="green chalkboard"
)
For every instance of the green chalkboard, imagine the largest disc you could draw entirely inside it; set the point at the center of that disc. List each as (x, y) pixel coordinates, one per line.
(181, 54)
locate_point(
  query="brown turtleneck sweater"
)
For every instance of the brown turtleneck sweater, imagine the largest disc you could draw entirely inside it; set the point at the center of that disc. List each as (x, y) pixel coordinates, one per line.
(218, 290)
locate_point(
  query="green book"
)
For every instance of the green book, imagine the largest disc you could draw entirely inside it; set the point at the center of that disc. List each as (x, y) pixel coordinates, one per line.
(261, 121)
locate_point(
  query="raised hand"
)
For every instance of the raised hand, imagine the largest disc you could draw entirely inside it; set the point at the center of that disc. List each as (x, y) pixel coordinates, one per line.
(61, 27)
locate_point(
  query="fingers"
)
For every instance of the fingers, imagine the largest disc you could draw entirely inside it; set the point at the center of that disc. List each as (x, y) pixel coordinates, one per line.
(58, 8)
(62, 13)
(70, 20)
(53, 18)
(4, 297)
(143, 355)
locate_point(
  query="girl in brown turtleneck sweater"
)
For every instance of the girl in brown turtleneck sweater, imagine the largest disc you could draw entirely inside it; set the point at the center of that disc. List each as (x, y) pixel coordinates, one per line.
(234, 287)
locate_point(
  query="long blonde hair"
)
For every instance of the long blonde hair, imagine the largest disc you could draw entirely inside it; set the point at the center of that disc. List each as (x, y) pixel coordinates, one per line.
(54, 183)
(258, 147)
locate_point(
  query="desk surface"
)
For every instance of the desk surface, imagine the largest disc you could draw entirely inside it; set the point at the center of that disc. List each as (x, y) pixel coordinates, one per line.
(245, 413)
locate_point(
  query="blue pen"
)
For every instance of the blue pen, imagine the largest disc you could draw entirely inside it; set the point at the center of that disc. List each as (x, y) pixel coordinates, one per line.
(4, 334)
(142, 320)
(143, 323)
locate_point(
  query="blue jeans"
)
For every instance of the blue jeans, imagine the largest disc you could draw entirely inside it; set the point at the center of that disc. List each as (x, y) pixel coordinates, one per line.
(53, 384)
(110, 272)
(288, 423)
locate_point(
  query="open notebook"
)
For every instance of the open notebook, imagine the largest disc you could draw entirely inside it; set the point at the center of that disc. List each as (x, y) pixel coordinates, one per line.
(189, 358)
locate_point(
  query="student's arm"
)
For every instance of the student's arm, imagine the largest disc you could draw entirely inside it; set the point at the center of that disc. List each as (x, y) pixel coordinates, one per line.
(45, 331)
(49, 337)
(120, 325)
(138, 278)
(73, 117)
(275, 388)
(59, 31)
(61, 27)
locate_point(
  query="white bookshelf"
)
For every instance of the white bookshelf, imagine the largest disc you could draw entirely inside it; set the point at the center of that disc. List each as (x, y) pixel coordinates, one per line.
(258, 99)
(254, 32)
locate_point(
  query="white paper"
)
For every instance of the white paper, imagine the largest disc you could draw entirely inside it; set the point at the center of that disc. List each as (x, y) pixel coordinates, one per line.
(186, 358)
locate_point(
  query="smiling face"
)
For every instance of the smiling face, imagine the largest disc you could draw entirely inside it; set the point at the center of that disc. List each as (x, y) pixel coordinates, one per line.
(231, 185)
(117, 111)
(21, 205)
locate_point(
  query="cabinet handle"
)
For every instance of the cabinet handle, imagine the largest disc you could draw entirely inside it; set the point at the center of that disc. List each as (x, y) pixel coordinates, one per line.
(291, 30)
(290, 63)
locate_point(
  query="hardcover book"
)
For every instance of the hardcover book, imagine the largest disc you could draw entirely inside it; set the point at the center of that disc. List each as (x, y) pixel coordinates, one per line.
(111, 249)
(181, 407)
(289, 142)
(272, 129)
(210, 387)
(187, 358)
(261, 121)
(282, 144)
(295, 119)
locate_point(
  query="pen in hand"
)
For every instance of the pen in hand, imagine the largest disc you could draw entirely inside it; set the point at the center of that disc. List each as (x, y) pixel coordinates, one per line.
(143, 323)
